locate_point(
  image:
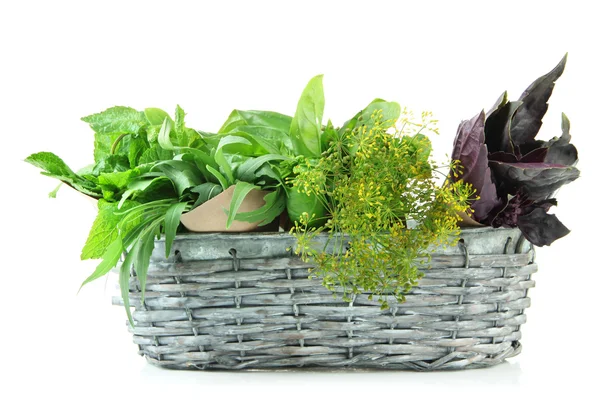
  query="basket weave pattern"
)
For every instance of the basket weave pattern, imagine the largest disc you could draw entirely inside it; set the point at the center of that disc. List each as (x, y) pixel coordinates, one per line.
(244, 301)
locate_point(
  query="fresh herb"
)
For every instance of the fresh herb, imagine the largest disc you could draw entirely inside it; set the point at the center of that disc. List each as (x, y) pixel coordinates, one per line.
(374, 183)
(515, 175)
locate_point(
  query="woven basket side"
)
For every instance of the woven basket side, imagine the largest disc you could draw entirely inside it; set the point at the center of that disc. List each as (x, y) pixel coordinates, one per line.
(253, 311)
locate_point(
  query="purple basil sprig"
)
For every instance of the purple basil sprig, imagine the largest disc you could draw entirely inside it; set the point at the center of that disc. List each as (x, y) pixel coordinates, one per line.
(514, 174)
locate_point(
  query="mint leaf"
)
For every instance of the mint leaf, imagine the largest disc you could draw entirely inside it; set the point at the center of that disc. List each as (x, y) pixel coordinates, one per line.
(155, 154)
(52, 165)
(112, 123)
(112, 163)
(179, 122)
(117, 180)
(137, 147)
(117, 120)
(105, 230)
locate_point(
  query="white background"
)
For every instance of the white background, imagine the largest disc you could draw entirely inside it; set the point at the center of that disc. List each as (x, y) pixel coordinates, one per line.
(60, 61)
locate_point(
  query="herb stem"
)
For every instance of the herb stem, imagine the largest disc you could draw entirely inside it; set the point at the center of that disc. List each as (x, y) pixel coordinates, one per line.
(113, 147)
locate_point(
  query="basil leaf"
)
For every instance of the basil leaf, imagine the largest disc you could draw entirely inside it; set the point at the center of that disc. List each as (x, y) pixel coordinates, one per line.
(264, 119)
(156, 116)
(305, 129)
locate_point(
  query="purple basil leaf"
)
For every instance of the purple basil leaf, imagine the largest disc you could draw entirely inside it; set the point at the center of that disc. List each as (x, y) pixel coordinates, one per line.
(527, 147)
(559, 149)
(527, 120)
(535, 156)
(503, 157)
(541, 228)
(497, 128)
(500, 102)
(470, 150)
(537, 180)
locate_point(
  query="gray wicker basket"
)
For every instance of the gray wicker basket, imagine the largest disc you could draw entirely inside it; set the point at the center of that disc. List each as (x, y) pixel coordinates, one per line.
(233, 301)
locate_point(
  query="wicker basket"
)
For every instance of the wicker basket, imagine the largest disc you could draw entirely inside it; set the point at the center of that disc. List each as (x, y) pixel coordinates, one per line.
(233, 301)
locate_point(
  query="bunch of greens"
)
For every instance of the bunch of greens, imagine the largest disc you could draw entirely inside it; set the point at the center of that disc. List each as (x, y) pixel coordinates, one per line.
(516, 176)
(373, 182)
(148, 170)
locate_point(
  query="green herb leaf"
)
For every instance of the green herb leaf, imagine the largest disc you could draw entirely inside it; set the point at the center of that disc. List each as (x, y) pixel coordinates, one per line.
(305, 129)
(51, 164)
(156, 116)
(164, 136)
(137, 147)
(201, 158)
(155, 154)
(389, 112)
(239, 194)
(116, 120)
(220, 157)
(124, 274)
(218, 176)
(270, 140)
(116, 180)
(111, 124)
(266, 119)
(55, 167)
(144, 247)
(105, 230)
(206, 191)
(172, 218)
(273, 207)
(299, 202)
(110, 258)
(183, 174)
(247, 169)
(110, 164)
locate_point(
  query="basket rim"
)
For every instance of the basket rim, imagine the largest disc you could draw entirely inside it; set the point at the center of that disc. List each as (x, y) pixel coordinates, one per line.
(466, 231)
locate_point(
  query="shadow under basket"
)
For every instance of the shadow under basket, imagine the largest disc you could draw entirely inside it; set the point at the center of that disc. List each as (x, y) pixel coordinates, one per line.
(244, 301)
